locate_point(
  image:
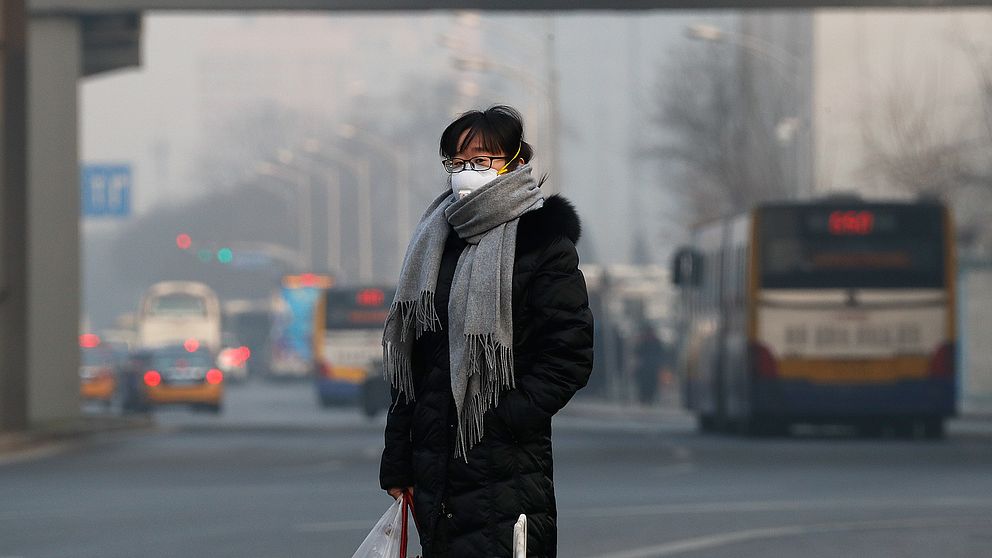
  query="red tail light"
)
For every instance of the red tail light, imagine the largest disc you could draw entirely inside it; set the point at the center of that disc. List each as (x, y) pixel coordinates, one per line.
(942, 362)
(763, 364)
(89, 340)
(191, 345)
(214, 376)
(152, 378)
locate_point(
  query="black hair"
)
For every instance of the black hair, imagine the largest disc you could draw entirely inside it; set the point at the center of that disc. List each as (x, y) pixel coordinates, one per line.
(500, 127)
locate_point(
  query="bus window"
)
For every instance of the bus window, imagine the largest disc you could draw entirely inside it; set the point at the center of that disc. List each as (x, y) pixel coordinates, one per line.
(177, 304)
(824, 247)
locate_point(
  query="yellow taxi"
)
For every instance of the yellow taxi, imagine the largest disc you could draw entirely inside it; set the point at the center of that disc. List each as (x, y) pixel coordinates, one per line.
(180, 376)
(97, 380)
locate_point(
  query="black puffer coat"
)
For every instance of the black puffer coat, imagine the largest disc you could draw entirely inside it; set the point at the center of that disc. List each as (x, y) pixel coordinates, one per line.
(468, 510)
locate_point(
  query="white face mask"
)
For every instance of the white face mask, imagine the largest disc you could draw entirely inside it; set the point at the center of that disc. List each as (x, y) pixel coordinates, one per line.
(465, 182)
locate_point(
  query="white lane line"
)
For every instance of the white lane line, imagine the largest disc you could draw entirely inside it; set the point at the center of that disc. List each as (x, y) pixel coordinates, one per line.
(734, 537)
(773, 506)
(334, 526)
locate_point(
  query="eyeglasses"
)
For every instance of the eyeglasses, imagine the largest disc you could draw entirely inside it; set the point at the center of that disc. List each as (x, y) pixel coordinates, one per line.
(480, 163)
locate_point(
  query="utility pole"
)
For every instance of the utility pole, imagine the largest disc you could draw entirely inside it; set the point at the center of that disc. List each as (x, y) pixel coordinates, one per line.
(13, 217)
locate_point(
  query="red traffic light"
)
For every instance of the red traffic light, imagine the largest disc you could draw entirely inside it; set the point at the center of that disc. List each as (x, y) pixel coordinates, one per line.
(184, 241)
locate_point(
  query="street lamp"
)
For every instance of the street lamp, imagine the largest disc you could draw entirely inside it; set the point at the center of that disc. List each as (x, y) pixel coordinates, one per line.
(714, 34)
(302, 181)
(401, 164)
(313, 149)
(782, 61)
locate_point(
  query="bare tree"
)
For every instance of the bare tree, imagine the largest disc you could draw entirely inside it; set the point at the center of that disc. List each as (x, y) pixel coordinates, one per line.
(715, 129)
(916, 149)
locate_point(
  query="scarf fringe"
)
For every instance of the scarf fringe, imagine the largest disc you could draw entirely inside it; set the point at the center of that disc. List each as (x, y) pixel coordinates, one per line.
(398, 370)
(418, 315)
(413, 316)
(492, 362)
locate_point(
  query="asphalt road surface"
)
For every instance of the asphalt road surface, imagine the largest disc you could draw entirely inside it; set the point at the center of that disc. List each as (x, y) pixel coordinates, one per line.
(276, 477)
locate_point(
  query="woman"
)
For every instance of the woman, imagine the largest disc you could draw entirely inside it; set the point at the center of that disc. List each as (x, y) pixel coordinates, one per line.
(489, 336)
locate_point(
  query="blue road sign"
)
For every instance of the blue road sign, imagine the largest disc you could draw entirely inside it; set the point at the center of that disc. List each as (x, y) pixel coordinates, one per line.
(106, 190)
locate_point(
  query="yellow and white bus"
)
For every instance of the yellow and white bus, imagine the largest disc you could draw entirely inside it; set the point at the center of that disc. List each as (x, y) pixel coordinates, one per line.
(347, 341)
(827, 311)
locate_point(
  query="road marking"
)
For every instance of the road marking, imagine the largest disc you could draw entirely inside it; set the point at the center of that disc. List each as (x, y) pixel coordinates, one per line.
(735, 537)
(772, 506)
(333, 526)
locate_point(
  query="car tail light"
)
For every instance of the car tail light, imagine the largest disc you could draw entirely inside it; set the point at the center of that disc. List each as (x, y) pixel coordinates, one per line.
(942, 362)
(214, 376)
(326, 371)
(152, 378)
(763, 363)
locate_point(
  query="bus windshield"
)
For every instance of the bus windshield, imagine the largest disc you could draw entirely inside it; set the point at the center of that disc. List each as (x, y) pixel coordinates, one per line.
(357, 308)
(177, 305)
(864, 246)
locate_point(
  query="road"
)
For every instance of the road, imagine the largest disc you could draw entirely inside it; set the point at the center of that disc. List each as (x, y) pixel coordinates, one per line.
(275, 477)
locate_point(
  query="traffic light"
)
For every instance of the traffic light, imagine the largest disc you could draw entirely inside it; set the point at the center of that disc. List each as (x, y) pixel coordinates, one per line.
(183, 241)
(225, 255)
(205, 255)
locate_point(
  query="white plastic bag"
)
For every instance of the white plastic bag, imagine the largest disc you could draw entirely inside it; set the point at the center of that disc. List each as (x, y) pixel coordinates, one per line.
(386, 537)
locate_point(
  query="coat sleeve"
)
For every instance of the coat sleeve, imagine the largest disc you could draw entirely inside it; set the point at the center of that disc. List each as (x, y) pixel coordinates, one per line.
(563, 341)
(396, 466)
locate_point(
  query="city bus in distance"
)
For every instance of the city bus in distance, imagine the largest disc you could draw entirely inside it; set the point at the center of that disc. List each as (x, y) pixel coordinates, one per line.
(348, 329)
(834, 311)
(179, 312)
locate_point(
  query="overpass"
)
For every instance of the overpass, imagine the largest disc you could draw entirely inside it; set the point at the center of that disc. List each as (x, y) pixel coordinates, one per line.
(47, 46)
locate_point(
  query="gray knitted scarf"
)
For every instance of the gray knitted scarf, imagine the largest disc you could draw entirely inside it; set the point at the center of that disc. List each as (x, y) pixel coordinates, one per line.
(480, 316)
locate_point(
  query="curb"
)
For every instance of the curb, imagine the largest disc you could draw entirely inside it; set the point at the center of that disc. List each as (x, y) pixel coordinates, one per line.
(48, 438)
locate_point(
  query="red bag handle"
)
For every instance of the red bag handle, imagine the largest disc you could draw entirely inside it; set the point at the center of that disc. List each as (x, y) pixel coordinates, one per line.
(404, 530)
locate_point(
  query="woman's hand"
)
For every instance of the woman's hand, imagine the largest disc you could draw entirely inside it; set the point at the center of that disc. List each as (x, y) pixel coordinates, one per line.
(397, 492)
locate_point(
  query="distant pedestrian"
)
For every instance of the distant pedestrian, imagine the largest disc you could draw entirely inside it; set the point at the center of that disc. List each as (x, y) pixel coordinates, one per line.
(649, 355)
(489, 336)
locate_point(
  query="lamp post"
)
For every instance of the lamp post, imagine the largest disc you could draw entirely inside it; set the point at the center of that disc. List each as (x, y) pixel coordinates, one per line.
(782, 61)
(305, 209)
(317, 152)
(401, 164)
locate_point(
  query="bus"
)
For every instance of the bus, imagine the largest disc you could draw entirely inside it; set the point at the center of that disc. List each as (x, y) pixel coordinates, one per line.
(835, 311)
(294, 305)
(183, 312)
(347, 348)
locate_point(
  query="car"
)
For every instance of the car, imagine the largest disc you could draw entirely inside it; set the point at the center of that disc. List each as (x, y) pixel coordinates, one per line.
(97, 378)
(172, 375)
(232, 359)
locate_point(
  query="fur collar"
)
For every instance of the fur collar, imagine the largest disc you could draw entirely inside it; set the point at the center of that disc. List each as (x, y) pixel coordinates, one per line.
(557, 217)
